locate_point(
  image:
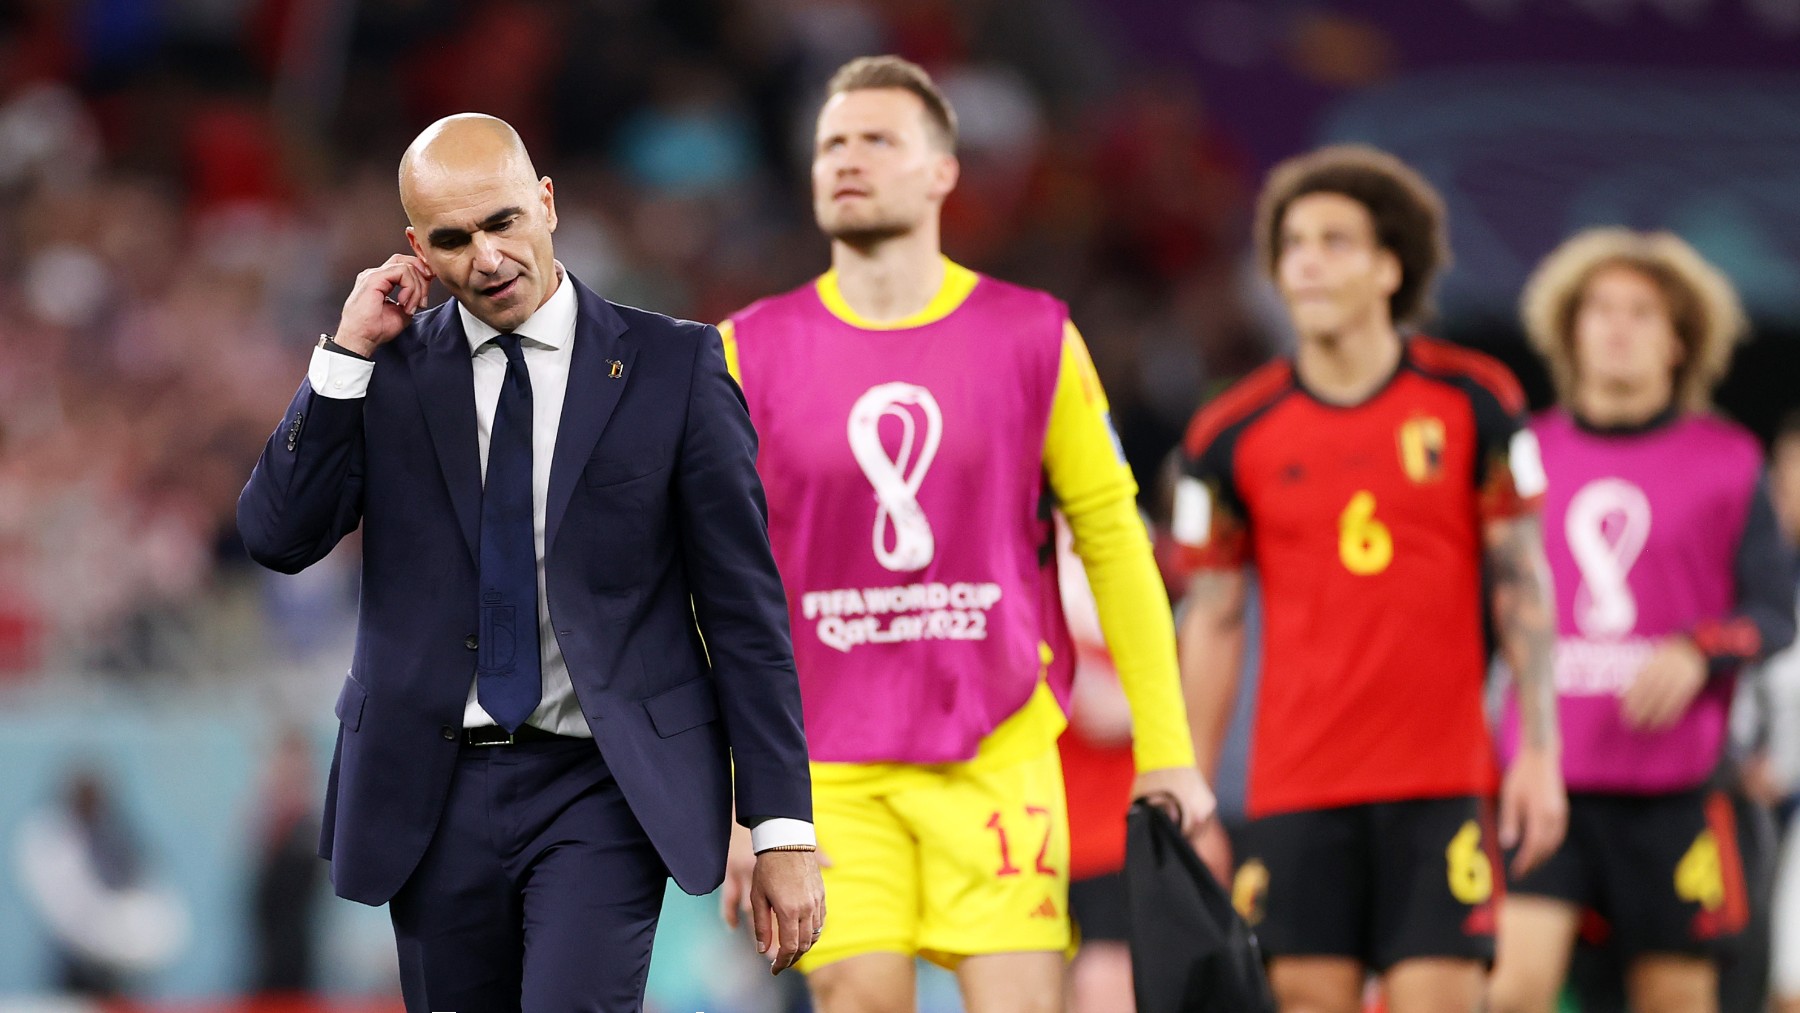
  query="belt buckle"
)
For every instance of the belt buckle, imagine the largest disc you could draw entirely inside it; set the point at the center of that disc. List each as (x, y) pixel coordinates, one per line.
(507, 741)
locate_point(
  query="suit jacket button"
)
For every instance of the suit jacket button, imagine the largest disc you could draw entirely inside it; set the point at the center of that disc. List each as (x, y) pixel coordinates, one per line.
(448, 733)
(470, 642)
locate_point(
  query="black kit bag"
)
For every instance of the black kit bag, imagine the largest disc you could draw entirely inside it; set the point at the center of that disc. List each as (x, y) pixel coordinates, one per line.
(1190, 952)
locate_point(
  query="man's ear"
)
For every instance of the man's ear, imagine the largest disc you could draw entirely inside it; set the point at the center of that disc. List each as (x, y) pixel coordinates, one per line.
(944, 176)
(412, 240)
(1388, 272)
(547, 192)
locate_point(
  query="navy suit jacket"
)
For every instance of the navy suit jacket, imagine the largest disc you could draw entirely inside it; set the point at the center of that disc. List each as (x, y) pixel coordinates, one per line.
(655, 532)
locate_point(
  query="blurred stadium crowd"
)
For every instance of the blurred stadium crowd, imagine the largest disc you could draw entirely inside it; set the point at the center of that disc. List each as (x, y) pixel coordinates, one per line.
(181, 213)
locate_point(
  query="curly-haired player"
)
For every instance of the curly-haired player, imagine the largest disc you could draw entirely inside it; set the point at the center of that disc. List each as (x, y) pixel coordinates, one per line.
(1370, 479)
(1671, 574)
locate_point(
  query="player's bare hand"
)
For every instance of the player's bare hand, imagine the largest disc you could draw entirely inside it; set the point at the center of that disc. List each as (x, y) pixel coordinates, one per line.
(787, 906)
(382, 303)
(1534, 808)
(1190, 793)
(1668, 683)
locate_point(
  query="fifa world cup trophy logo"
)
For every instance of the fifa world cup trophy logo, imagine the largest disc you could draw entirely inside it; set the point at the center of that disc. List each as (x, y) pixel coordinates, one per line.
(1607, 524)
(902, 538)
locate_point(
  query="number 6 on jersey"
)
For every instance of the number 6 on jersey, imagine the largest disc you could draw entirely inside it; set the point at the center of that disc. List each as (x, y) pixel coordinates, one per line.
(1364, 544)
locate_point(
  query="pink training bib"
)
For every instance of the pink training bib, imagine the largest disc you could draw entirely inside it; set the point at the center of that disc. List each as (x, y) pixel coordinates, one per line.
(1642, 531)
(907, 507)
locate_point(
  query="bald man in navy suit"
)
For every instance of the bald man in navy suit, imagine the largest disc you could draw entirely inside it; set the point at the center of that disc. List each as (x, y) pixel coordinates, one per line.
(572, 649)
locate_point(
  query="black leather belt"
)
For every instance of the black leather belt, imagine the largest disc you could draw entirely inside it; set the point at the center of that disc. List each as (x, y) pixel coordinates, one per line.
(494, 735)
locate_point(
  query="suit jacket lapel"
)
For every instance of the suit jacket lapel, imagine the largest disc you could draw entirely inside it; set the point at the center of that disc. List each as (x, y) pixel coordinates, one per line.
(592, 395)
(446, 384)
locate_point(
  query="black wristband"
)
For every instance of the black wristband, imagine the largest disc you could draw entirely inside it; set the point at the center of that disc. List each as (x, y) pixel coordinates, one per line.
(330, 344)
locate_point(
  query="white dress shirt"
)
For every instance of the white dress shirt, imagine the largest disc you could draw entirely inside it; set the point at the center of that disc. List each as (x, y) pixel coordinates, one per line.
(546, 340)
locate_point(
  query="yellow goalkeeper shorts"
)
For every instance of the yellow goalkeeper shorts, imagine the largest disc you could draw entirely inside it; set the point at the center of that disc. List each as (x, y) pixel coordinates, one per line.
(944, 861)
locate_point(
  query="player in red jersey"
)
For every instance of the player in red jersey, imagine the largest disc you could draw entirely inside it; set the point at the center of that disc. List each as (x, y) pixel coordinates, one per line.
(1369, 479)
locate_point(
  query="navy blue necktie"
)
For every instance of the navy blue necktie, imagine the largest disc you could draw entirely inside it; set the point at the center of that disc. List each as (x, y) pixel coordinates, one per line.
(508, 681)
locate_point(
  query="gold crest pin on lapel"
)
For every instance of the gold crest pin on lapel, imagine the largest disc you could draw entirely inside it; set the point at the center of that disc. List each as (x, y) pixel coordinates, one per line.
(616, 369)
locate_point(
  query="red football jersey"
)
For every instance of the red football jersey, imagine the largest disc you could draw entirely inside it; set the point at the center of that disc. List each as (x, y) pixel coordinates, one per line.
(1097, 780)
(1365, 525)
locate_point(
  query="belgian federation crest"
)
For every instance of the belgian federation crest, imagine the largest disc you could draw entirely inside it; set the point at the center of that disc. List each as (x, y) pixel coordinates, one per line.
(1421, 442)
(1249, 889)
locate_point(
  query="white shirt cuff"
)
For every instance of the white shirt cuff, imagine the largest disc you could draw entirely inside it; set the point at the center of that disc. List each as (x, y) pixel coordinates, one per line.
(778, 833)
(336, 375)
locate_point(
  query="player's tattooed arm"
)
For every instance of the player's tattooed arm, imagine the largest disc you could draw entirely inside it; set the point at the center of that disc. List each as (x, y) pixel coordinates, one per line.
(1525, 621)
(1534, 804)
